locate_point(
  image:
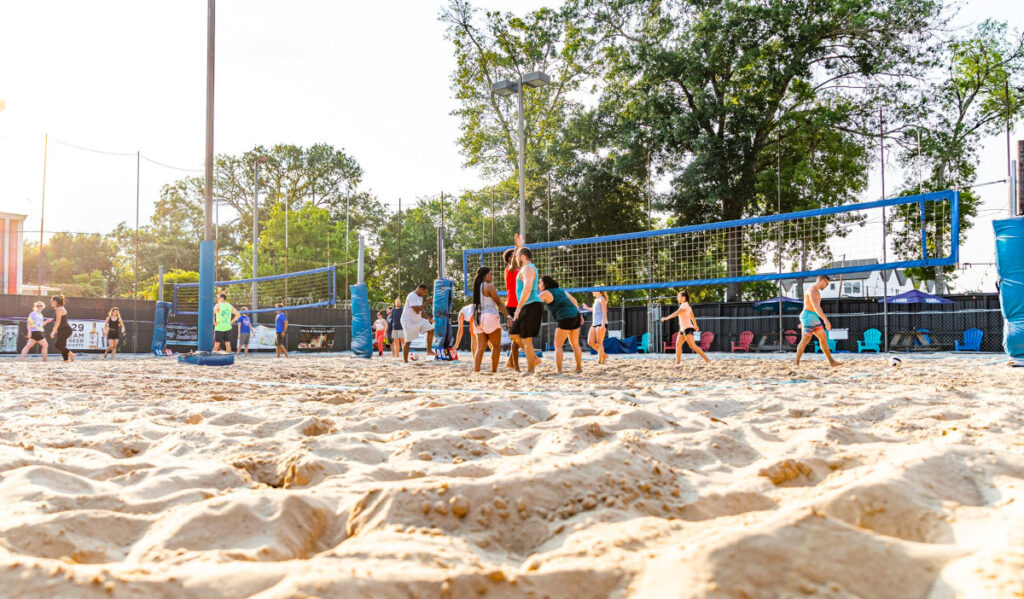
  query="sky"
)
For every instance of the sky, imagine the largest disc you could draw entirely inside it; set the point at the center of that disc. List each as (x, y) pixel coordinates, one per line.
(369, 77)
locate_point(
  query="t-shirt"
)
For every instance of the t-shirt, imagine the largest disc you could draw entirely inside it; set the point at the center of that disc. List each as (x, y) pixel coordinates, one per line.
(35, 320)
(223, 317)
(279, 323)
(510, 287)
(244, 324)
(411, 300)
(467, 311)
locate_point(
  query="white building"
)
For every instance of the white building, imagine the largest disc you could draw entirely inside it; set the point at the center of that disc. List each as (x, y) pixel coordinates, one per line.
(860, 284)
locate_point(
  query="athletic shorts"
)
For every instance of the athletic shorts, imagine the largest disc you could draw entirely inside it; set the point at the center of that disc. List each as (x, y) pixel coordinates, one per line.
(413, 330)
(114, 334)
(221, 337)
(689, 331)
(488, 324)
(243, 339)
(38, 336)
(569, 324)
(279, 340)
(528, 323)
(810, 322)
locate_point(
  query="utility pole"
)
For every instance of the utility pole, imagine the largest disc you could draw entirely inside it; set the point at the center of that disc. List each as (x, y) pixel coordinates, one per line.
(207, 248)
(42, 214)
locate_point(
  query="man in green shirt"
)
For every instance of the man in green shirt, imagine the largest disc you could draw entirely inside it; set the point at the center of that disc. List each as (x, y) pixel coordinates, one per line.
(224, 317)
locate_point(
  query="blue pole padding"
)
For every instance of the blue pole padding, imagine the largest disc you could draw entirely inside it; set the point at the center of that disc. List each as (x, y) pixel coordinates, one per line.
(206, 281)
(1010, 266)
(362, 321)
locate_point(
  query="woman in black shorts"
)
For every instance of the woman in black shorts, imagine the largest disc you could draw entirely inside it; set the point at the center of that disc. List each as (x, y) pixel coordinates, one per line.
(61, 328)
(113, 329)
(566, 312)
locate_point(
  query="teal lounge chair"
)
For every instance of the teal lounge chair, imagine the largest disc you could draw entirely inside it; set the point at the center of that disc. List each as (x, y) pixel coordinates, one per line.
(645, 343)
(831, 345)
(872, 341)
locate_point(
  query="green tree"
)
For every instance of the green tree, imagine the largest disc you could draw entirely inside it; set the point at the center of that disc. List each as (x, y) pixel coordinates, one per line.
(984, 79)
(713, 82)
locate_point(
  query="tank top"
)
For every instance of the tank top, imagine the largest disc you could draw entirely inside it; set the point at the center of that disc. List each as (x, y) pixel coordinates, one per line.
(487, 306)
(598, 313)
(510, 287)
(64, 324)
(35, 322)
(223, 317)
(534, 294)
(561, 307)
(114, 325)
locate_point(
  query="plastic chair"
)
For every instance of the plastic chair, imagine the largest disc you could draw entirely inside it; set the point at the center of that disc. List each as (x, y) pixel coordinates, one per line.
(645, 343)
(671, 347)
(872, 342)
(831, 345)
(746, 338)
(706, 337)
(972, 341)
(791, 336)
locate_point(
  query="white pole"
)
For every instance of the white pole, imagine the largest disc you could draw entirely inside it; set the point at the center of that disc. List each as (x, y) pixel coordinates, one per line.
(522, 164)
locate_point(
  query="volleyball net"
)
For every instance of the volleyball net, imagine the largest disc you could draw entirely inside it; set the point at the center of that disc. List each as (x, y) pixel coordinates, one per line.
(304, 289)
(911, 231)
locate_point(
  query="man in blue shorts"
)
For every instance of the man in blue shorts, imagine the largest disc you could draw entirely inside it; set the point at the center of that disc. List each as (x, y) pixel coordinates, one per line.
(814, 322)
(244, 331)
(280, 327)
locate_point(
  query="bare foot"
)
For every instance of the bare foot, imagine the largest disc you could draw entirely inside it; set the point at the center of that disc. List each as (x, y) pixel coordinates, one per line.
(71, 356)
(833, 363)
(579, 371)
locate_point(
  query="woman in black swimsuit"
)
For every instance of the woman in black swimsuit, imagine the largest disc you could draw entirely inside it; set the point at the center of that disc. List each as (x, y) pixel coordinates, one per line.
(61, 328)
(113, 329)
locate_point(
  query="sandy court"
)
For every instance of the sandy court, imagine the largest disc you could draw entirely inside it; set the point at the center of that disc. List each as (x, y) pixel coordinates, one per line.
(337, 477)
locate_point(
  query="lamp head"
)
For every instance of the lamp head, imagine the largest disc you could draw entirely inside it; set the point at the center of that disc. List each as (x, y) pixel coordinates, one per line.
(504, 88)
(536, 79)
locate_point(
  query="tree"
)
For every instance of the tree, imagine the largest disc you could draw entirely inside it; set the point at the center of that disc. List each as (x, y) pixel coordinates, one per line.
(81, 264)
(980, 89)
(715, 81)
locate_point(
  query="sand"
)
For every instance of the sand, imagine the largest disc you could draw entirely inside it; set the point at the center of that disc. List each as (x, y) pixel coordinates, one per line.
(338, 477)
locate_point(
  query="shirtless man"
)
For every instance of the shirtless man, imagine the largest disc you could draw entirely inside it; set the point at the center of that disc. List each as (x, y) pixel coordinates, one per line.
(814, 321)
(687, 327)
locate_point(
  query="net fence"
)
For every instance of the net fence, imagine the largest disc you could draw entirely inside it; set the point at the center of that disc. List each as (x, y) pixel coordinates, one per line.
(305, 289)
(919, 230)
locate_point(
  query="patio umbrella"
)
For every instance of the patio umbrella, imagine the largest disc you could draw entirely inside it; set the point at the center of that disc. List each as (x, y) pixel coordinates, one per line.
(916, 297)
(789, 305)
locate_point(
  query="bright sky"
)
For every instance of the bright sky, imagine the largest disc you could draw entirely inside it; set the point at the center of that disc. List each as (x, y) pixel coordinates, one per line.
(370, 77)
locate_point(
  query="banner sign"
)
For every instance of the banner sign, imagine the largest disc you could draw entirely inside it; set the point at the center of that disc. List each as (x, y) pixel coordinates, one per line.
(9, 338)
(179, 333)
(316, 338)
(262, 337)
(87, 334)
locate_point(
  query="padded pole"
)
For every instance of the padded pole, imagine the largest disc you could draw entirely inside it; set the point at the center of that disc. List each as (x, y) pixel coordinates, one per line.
(362, 250)
(206, 276)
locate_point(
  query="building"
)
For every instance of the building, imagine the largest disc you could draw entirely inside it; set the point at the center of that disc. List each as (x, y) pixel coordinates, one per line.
(858, 284)
(12, 227)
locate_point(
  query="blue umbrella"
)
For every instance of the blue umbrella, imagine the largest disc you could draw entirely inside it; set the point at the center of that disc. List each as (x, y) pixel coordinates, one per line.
(915, 297)
(772, 305)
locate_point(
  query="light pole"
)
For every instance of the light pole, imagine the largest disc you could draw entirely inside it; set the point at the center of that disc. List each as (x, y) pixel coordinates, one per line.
(506, 88)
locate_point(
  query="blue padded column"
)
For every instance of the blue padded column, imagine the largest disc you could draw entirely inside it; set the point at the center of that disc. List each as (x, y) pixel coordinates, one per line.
(1010, 266)
(206, 281)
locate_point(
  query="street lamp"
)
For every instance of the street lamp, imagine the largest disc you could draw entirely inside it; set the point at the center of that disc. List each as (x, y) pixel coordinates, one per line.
(506, 88)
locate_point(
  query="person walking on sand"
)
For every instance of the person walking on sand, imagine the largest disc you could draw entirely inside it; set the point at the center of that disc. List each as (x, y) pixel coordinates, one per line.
(566, 312)
(526, 321)
(244, 332)
(380, 330)
(414, 323)
(113, 328)
(511, 257)
(486, 303)
(36, 334)
(224, 316)
(61, 328)
(395, 332)
(599, 328)
(687, 327)
(280, 330)
(814, 322)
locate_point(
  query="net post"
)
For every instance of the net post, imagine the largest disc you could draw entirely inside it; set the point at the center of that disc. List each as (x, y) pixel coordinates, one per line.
(465, 272)
(160, 283)
(359, 267)
(206, 290)
(954, 238)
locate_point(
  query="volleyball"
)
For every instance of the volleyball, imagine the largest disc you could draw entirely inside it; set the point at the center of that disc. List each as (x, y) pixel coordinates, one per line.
(895, 362)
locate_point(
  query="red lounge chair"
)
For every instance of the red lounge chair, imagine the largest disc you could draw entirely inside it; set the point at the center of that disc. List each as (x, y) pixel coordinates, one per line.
(671, 347)
(706, 337)
(746, 338)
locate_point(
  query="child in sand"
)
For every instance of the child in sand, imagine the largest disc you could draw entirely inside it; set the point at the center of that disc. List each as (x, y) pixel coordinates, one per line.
(380, 329)
(687, 327)
(36, 335)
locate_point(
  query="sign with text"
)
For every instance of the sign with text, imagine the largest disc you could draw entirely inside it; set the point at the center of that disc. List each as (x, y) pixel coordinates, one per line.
(179, 333)
(316, 338)
(86, 335)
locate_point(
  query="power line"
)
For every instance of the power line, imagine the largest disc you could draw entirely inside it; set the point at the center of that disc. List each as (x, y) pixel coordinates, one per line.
(177, 168)
(93, 150)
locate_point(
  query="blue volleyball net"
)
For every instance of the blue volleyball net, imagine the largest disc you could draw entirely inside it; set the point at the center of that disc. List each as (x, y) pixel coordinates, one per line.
(304, 289)
(910, 231)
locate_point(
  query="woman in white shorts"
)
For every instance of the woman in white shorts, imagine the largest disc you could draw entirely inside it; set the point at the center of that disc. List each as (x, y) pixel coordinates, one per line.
(414, 324)
(487, 303)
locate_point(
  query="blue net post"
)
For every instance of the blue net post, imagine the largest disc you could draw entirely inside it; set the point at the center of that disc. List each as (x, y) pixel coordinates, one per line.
(1009, 249)
(206, 283)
